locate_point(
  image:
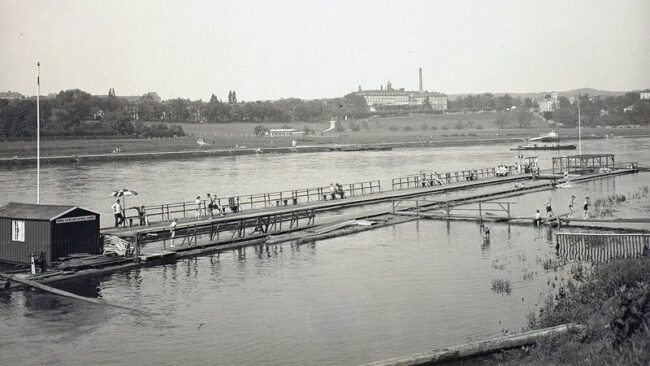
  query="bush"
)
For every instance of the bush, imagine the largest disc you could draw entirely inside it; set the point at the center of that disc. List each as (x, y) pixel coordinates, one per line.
(613, 301)
(408, 128)
(424, 127)
(393, 128)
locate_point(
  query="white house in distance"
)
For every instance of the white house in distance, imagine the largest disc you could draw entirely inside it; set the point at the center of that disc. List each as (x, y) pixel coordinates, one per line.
(644, 95)
(549, 104)
(291, 132)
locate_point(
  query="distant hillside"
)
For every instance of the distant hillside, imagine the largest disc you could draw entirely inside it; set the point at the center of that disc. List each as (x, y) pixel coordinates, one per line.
(540, 95)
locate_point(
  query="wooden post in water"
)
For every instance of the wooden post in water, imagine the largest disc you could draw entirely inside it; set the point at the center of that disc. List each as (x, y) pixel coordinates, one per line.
(137, 245)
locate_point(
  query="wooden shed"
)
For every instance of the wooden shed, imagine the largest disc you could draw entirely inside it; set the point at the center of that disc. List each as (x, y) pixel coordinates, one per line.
(56, 230)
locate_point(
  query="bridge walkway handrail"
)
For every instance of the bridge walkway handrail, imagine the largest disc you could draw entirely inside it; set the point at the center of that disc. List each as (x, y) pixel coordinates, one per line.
(428, 179)
(189, 209)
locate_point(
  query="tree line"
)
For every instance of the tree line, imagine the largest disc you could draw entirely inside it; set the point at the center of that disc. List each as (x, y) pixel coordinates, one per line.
(628, 109)
(76, 112)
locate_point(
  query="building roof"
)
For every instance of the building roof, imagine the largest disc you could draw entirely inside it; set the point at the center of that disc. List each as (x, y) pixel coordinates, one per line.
(10, 95)
(399, 93)
(29, 211)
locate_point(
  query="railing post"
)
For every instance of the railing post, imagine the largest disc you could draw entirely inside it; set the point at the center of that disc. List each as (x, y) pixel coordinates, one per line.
(137, 245)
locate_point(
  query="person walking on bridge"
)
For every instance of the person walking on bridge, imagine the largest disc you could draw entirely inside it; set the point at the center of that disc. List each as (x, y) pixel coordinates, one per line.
(198, 207)
(332, 191)
(172, 230)
(117, 211)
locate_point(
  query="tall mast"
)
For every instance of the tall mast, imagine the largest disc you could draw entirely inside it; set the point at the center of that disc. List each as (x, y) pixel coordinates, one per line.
(38, 133)
(579, 129)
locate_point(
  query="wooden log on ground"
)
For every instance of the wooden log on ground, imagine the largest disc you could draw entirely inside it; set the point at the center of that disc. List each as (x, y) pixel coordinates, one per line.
(456, 353)
(59, 292)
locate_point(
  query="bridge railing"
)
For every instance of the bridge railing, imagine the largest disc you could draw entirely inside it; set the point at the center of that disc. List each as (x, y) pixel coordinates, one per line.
(432, 178)
(231, 204)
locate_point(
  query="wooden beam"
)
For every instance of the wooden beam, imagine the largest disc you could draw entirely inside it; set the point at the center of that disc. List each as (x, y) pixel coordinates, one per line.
(466, 350)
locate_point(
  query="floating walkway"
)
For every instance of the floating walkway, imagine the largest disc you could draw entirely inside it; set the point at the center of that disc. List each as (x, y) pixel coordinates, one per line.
(153, 244)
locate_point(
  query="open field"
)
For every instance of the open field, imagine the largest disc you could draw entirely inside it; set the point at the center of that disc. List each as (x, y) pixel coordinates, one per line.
(370, 131)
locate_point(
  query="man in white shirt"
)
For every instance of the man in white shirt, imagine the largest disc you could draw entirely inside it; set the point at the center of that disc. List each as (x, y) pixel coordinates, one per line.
(117, 211)
(172, 229)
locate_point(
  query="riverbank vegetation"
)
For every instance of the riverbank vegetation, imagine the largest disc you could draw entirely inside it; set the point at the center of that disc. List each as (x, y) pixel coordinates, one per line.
(613, 301)
(607, 206)
(75, 112)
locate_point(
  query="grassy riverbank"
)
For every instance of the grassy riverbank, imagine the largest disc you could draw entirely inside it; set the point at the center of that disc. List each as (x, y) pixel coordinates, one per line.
(613, 301)
(448, 129)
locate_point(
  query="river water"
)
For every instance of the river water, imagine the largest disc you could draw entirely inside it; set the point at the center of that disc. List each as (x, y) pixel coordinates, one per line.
(347, 300)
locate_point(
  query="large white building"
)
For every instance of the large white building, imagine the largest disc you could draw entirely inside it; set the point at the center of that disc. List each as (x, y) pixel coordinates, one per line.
(389, 99)
(399, 99)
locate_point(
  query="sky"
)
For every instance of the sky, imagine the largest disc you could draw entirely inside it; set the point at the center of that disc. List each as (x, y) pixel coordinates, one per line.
(319, 49)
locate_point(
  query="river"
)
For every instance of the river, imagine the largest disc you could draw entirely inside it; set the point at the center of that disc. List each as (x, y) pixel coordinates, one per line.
(347, 300)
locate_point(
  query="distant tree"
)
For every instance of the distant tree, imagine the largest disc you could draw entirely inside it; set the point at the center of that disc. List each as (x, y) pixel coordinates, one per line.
(459, 125)
(408, 128)
(528, 103)
(120, 122)
(564, 102)
(338, 127)
(260, 130)
(567, 116)
(501, 122)
(424, 127)
(548, 116)
(524, 118)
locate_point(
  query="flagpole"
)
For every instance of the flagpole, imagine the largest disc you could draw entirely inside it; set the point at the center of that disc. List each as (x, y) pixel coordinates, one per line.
(579, 129)
(38, 133)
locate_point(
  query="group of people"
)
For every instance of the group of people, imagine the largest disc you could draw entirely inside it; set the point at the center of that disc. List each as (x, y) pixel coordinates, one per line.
(336, 190)
(209, 206)
(118, 213)
(586, 206)
(431, 181)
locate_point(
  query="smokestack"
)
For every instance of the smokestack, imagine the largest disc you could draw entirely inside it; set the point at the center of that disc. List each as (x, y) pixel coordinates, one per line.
(420, 80)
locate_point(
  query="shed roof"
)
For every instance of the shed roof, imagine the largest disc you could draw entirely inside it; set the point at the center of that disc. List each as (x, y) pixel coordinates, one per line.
(29, 211)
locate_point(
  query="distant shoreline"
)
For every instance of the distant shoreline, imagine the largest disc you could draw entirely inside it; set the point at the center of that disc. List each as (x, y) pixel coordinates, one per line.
(170, 155)
(189, 154)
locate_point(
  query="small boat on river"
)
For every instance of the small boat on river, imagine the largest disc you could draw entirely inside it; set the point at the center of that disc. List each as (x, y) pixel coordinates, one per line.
(359, 148)
(546, 147)
(551, 137)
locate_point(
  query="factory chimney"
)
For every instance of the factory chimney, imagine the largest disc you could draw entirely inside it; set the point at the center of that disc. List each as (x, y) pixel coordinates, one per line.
(420, 80)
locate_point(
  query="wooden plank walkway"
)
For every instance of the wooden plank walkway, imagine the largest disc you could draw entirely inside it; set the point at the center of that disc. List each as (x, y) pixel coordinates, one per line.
(385, 196)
